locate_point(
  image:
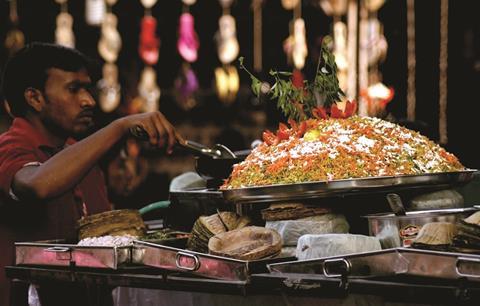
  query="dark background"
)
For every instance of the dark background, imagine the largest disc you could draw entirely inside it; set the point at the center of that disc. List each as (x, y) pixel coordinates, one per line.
(37, 21)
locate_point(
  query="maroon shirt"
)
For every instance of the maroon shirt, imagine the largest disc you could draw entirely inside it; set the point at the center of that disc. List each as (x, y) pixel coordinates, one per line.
(53, 219)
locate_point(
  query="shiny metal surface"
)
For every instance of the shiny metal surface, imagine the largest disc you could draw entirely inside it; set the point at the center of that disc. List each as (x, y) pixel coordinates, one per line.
(395, 261)
(282, 192)
(369, 264)
(218, 267)
(59, 253)
(400, 231)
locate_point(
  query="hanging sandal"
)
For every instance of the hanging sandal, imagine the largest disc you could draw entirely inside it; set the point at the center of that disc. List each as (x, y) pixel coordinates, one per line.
(110, 41)
(228, 47)
(64, 33)
(109, 88)
(289, 4)
(187, 44)
(221, 84)
(299, 52)
(233, 82)
(148, 90)
(149, 42)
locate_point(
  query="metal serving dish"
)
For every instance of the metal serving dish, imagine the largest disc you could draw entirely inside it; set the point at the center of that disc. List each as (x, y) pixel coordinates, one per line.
(308, 190)
(61, 253)
(396, 261)
(400, 231)
(211, 266)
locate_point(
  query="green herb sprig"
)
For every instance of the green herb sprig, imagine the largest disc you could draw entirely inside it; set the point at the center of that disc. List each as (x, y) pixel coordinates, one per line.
(298, 103)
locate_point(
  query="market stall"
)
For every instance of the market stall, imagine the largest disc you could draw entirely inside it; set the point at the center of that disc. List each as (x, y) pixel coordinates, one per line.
(340, 204)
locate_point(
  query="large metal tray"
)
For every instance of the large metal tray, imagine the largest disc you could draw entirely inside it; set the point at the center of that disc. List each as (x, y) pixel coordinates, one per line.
(308, 190)
(389, 262)
(61, 253)
(211, 266)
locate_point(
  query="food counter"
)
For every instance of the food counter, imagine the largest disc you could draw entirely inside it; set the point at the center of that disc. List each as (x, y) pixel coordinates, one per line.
(262, 289)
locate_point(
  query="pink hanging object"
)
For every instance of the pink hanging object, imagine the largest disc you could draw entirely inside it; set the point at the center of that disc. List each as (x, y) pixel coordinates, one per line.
(187, 44)
(149, 42)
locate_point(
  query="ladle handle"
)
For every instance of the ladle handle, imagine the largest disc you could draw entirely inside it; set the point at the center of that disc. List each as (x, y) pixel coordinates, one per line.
(396, 204)
(194, 147)
(139, 132)
(199, 149)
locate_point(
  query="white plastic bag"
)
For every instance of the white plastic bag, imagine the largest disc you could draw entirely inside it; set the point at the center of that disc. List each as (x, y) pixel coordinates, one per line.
(317, 246)
(291, 230)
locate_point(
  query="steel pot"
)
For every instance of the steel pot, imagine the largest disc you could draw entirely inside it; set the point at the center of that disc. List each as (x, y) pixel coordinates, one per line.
(400, 231)
(216, 170)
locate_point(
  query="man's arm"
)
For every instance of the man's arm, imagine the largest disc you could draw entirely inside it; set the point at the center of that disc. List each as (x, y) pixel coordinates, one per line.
(66, 168)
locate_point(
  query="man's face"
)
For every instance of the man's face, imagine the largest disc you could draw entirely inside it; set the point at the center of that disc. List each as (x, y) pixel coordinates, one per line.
(68, 102)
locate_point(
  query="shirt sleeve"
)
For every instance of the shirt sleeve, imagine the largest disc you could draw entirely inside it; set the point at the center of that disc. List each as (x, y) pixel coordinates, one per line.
(11, 161)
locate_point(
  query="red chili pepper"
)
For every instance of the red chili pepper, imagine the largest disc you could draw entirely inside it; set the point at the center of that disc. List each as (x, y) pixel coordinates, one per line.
(350, 108)
(293, 124)
(282, 135)
(297, 78)
(282, 127)
(269, 138)
(319, 112)
(335, 112)
(301, 129)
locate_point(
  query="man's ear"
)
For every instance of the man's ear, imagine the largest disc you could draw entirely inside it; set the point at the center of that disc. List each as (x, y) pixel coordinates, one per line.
(34, 98)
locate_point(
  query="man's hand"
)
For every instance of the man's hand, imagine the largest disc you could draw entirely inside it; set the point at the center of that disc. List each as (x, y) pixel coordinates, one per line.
(66, 168)
(159, 130)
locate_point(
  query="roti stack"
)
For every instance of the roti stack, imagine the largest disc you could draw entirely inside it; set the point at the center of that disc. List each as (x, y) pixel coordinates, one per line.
(248, 243)
(207, 226)
(113, 223)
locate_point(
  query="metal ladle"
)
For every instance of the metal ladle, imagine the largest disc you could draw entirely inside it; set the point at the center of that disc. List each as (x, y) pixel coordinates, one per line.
(217, 151)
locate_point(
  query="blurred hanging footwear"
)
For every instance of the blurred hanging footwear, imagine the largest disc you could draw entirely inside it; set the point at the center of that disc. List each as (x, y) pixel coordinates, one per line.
(149, 42)
(94, 12)
(290, 4)
(221, 84)
(187, 44)
(110, 41)
(109, 88)
(64, 33)
(233, 82)
(299, 52)
(189, 2)
(228, 47)
(186, 85)
(148, 90)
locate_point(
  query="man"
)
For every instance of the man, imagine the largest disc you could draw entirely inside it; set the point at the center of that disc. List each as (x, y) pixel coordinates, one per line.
(48, 173)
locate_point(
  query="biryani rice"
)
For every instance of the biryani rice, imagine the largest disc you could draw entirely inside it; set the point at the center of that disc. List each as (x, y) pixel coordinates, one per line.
(333, 149)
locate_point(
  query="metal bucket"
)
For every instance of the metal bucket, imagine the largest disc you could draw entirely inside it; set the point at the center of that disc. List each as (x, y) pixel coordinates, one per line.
(400, 231)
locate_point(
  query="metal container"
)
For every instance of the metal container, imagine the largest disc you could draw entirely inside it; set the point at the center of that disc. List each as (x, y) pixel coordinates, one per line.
(400, 231)
(391, 262)
(322, 189)
(211, 266)
(61, 253)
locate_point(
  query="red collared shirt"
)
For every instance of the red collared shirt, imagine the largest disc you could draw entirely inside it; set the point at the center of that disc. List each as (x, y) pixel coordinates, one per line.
(55, 219)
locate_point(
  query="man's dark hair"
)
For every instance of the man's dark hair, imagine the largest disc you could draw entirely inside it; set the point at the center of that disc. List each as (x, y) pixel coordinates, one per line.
(29, 68)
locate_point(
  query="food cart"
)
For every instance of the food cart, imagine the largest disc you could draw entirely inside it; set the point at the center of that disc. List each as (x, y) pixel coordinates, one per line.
(399, 274)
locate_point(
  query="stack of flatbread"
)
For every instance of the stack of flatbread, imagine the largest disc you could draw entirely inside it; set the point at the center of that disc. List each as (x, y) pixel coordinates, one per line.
(435, 236)
(247, 243)
(468, 237)
(208, 226)
(291, 211)
(114, 223)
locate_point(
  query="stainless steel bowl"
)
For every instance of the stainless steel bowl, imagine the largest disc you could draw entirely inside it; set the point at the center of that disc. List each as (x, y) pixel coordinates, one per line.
(400, 231)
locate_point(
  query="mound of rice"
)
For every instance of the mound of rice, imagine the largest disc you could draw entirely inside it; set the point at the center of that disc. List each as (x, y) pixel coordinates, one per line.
(333, 149)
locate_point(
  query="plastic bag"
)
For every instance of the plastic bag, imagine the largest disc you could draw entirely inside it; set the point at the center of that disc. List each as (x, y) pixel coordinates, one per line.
(291, 230)
(317, 246)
